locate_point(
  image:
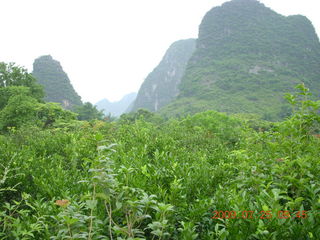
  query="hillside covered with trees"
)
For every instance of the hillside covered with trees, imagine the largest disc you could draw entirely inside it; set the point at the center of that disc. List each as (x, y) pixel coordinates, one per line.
(55, 82)
(246, 58)
(187, 172)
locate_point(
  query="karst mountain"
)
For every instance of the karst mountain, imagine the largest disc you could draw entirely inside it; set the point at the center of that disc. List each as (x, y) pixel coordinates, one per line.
(246, 58)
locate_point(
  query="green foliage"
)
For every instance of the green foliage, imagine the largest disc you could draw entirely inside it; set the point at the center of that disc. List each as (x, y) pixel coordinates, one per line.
(141, 114)
(11, 75)
(21, 101)
(254, 121)
(88, 112)
(22, 110)
(7, 92)
(138, 178)
(53, 113)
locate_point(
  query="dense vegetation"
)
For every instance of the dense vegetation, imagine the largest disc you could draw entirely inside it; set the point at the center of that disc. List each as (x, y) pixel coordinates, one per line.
(247, 57)
(161, 85)
(145, 177)
(55, 82)
(210, 175)
(21, 101)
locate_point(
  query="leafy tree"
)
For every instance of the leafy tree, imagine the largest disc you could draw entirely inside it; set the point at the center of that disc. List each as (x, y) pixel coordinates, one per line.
(24, 110)
(11, 75)
(7, 92)
(21, 100)
(88, 112)
(20, 110)
(141, 114)
(50, 113)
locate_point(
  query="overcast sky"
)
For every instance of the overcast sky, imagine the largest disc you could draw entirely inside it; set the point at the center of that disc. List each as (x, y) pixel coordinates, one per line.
(108, 47)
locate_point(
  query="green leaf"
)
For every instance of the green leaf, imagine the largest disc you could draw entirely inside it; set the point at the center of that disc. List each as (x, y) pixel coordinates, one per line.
(91, 203)
(70, 220)
(103, 196)
(118, 205)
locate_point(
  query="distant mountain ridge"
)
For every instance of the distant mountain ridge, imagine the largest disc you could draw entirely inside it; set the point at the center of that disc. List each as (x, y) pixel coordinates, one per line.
(116, 108)
(247, 57)
(161, 85)
(56, 83)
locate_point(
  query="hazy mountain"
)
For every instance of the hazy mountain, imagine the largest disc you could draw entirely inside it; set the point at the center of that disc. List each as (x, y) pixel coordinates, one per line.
(247, 56)
(116, 108)
(55, 81)
(161, 85)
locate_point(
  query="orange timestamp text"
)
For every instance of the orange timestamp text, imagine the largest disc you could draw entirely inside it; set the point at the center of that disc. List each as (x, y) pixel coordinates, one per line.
(256, 214)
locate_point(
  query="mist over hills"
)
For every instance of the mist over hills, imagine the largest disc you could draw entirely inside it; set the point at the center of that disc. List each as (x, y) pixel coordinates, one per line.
(116, 108)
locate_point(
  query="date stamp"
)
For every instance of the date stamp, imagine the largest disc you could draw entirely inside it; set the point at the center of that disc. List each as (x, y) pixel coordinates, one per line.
(261, 215)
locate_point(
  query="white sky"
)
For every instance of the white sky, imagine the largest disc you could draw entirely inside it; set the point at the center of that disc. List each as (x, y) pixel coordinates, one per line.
(108, 47)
